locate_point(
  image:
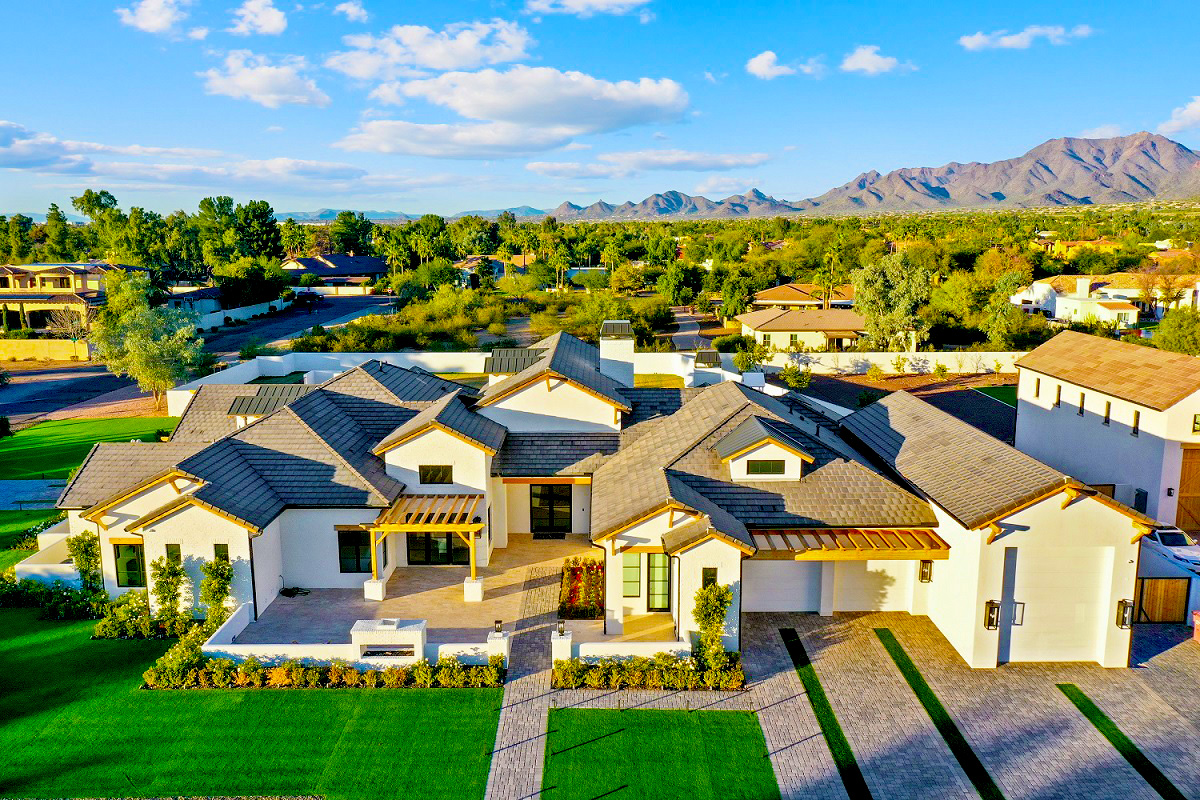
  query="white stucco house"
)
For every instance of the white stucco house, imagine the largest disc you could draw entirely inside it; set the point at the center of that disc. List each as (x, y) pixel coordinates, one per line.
(1122, 418)
(1115, 298)
(831, 329)
(372, 481)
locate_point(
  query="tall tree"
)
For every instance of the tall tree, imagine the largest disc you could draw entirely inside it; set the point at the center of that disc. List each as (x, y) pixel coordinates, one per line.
(257, 231)
(890, 294)
(351, 233)
(292, 238)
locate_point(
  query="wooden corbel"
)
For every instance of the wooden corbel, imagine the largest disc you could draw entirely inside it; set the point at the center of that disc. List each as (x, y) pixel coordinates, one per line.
(996, 532)
(1140, 529)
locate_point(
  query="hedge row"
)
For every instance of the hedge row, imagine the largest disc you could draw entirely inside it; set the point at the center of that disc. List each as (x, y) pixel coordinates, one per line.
(57, 601)
(664, 671)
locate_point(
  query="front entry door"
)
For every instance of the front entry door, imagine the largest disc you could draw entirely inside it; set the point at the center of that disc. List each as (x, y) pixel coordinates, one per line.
(658, 582)
(1187, 510)
(549, 510)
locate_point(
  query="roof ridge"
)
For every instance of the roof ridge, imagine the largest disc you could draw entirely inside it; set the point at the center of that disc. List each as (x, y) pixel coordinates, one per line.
(353, 469)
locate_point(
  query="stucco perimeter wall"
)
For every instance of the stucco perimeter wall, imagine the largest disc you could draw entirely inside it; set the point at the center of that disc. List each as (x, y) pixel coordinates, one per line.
(43, 350)
(921, 362)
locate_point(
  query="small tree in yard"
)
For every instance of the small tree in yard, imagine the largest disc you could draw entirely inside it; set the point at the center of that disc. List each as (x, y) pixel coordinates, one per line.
(712, 603)
(167, 578)
(796, 379)
(751, 359)
(67, 323)
(5, 428)
(214, 588)
(85, 555)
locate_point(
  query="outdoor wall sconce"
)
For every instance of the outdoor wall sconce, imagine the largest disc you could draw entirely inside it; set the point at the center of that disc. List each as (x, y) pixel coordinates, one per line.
(499, 626)
(991, 616)
(1124, 613)
(562, 627)
(1170, 492)
(926, 573)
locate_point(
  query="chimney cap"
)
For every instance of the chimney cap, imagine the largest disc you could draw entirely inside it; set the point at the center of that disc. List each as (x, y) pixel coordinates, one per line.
(616, 328)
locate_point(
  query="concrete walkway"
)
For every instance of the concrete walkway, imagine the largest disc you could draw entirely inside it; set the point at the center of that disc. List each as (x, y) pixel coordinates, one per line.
(687, 337)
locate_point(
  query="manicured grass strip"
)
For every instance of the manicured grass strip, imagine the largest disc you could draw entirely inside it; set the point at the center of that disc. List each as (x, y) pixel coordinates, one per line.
(73, 723)
(839, 746)
(957, 743)
(52, 449)
(1109, 730)
(1005, 394)
(657, 380)
(12, 525)
(640, 753)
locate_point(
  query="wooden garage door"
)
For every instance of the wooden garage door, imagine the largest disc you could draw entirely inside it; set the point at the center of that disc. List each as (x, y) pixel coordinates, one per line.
(1187, 511)
(1162, 600)
(781, 585)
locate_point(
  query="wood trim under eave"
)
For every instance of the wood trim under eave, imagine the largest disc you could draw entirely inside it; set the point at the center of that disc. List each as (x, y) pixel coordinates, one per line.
(191, 502)
(714, 536)
(1031, 502)
(801, 455)
(557, 479)
(169, 475)
(424, 429)
(1140, 530)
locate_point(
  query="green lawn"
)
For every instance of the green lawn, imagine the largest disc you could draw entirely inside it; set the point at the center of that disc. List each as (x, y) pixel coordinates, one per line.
(656, 754)
(658, 380)
(12, 525)
(76, 725)
(52, 449)
(1005, 394)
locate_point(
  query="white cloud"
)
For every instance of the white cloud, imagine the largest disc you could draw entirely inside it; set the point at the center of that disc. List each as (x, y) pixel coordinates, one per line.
(403, 50)
(273, 129)
(1183, 118)
(22, 148)
(766, 65)
(1023, 40)
(866, 59)
(353, 10)
(140, 150)
(626, 164)
(198, 34)
(470, 141)
(154, 16)
(1101, 132)
(544, 96)
(585, 8)
(247, 76)
(258, 16)
(719, 184)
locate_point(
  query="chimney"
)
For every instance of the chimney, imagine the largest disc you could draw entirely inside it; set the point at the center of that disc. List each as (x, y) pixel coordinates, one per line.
(1083, 286)
(616, 350)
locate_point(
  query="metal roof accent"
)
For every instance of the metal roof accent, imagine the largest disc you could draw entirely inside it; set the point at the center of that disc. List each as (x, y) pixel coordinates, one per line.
(616, 328)
(267, 398)
(708, 358)
(510, 360)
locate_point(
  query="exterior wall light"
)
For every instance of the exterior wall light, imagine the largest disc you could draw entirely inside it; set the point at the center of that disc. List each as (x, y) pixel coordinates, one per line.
(1124, 613)
(562, 627)
(926, 573)
(991, 616)
(499, 626)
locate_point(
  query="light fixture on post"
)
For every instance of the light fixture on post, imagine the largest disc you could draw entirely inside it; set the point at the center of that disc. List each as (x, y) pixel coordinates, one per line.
(499, 626)
(926, 573)
(991, 616)
(1124, 613)
(562, 627)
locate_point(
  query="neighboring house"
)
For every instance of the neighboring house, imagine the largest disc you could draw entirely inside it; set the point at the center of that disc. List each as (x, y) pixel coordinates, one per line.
(1185, 257)
(1119, 416)
(1067, 249)
(1115, 298)
(469, 269)
(338, 269)
(899, 507)
(29, 293)
(813, 329)
(203, 300)
(804, 295)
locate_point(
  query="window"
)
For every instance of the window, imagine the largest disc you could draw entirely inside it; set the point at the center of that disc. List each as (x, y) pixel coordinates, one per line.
(794, 339)
(764, 467)
(1107, 411)
(435, 473)
(1037, 387)
(631, 575)
(766, 340)
(131, 565)
(173, 554)
(550, 509)
(385, 550)
(708, 577)
(658, 582)
(1196, 423)
(1137, 423)
(221, 552)
(354, 551)
(1080, 411)
(437, 549)
(1057, 396)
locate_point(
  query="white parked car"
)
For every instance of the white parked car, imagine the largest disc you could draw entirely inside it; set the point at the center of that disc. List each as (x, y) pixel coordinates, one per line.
(1175, 546)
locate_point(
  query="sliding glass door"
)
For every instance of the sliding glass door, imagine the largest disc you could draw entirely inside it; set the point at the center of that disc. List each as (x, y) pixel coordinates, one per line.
(549, 510)
(658, 582)
(437, 548)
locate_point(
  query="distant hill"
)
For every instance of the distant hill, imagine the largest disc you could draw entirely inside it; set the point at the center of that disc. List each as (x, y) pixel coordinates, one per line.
(517, 211)
(328, 215)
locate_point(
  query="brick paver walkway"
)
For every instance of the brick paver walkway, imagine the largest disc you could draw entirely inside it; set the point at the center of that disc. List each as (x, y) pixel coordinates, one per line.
(516, 771)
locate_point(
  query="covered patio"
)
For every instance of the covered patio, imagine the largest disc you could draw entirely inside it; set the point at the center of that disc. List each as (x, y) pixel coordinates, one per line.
(432, 593)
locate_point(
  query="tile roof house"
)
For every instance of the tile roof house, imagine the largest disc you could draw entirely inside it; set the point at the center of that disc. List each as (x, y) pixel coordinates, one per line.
(338, 268)
(29, 293)
(814, 329)
(370, 479)
(805, 295)
(1105, 297)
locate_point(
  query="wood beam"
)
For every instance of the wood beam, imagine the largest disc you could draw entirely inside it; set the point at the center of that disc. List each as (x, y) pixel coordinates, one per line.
(374, 565)
(995, 534)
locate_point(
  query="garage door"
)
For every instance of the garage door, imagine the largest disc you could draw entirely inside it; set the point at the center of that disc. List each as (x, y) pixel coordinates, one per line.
(1055, 603)
(781, 586)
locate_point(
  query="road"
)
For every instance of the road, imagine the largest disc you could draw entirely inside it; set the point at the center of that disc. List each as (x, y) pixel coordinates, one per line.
(688, 335)
(45, 389)
(292, 321)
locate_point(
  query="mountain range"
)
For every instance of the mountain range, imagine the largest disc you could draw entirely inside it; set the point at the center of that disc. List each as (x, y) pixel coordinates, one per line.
(1060, 172)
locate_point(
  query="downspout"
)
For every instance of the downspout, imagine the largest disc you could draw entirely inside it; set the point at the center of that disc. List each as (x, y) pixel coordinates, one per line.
(678, 583)
(253, 586)
(604, 561)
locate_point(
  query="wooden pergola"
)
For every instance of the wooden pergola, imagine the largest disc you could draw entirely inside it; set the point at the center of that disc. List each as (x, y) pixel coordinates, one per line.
(429, 513)
(850, 544)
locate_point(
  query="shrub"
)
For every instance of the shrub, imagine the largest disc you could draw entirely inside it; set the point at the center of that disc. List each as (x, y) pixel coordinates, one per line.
(167, 578)
(370, 678)
(85, 555)
(280, 676)
(351, 677)
(214, 588)
(568, 673)
(665, 670)
(712, 604)
(595, 677)
(222, 672)
(450, 673)
(395, 677)
(941, 371)
(57, 601)
(313, 678)
(732, 343)
(581, 595)
(900, 362)
(495, 671)
(422, 674)
(796, 379)
(875, 373)
(250, 673)
(128, 617)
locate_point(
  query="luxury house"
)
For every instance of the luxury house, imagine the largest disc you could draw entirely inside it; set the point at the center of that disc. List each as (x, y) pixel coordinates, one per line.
(805, 295)
(29, 293)
(1114, 298)
(371, 482)
(831, 329)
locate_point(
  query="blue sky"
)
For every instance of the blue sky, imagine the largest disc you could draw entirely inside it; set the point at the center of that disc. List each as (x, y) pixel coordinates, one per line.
(446, 106)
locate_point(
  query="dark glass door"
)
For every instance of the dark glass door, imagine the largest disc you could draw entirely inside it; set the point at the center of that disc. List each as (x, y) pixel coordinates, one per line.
(437, 548)
(658, 582)
(550, 510)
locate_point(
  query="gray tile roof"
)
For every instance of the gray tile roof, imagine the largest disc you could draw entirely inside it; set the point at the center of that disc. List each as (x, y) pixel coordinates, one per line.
(708, 358)
(206, 417)
(268, 398)
(973, 476)
(511, 359)
(568, 357)
(651, 403)
(451, 412)
(533, 454)
(112, 467)
(757, 429)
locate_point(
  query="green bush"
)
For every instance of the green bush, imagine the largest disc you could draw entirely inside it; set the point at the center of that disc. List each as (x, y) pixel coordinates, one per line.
(450, 673)
(941, 371)
(875, 373)
(796, 379)
(57, 601)
(395, 677)
(422, 674)
(732, 343)
(664, 671)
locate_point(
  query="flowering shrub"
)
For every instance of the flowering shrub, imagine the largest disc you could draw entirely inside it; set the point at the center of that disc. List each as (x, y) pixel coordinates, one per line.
(664, 671)
(582, 592)
(57, 601)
